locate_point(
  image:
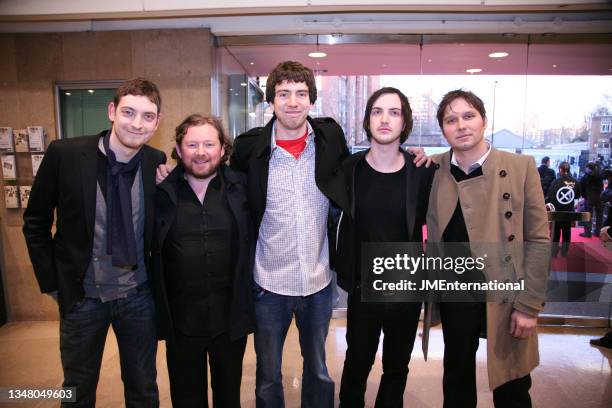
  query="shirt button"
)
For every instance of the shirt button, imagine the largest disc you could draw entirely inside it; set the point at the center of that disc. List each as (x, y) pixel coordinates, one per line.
(508, 214)
(506, 196)
(503, 173)
(511, 237)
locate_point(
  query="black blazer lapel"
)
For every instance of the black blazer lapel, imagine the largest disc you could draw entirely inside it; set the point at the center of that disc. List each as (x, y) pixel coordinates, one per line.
(148, 166)
(89, 183)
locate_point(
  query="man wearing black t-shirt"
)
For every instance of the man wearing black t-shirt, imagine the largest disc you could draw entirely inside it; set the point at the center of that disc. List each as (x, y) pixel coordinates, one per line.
(389, 202)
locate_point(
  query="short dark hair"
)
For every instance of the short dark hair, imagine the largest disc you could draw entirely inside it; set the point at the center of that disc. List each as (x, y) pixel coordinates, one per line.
(291, 71)
(546, 159)
(564, 167)
(200, 120)
(406, 112)
(470, 97)
(138, 87)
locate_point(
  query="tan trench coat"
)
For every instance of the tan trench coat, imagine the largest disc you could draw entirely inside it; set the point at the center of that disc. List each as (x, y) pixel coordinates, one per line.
(504, 205)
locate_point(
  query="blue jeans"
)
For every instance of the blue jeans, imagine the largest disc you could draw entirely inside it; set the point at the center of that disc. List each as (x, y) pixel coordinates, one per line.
(312, 314)
(83, 334)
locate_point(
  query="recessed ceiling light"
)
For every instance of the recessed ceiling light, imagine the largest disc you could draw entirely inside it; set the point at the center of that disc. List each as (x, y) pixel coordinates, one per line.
(498, 54)
(251, 63)
(243, 84)
(473, 70)
(90, 91)
(68, 93)
(317, 54)
(384, 65)
(231, 89)
(429, 60)
(554, 65)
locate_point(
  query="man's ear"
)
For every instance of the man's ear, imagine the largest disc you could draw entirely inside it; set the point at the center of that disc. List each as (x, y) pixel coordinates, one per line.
(177, 148)
(111, 111)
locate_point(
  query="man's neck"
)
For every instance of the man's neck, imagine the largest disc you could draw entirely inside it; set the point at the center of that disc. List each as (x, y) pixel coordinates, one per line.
(385, 158)
(199, 185)
(123, 154)
(465, 158)
(282, 133)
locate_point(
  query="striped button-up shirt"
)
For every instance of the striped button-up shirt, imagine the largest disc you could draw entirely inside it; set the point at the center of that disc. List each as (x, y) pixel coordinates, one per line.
(292, 255)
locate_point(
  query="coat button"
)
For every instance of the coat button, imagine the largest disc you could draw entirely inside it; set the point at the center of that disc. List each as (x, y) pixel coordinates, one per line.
(508, 258)
(503, 173)
(511, 237)
(508, 214)
(506, 196)
(437, 166)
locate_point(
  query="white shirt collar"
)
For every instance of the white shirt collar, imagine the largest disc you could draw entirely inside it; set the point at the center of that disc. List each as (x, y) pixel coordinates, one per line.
(478, 163)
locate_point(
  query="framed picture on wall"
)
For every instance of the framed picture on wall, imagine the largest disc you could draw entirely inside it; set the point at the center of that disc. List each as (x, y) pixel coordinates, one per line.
(11, 200)
(6, 140)
(36, 160)
(9, 167)
(21, 140)
(36, 138)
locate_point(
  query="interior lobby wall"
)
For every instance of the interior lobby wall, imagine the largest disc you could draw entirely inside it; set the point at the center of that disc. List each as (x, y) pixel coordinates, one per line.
(179, 61)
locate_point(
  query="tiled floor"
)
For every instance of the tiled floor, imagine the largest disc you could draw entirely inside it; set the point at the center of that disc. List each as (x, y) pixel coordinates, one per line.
(572, 373)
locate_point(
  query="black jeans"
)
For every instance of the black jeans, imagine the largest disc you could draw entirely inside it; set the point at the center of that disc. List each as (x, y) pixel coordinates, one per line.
(461, 325)
(365, 321)
(187, 370)
(563, 229)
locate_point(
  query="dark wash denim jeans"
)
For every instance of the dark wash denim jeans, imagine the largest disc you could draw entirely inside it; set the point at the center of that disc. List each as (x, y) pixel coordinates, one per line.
(312, 315)
(83, 334)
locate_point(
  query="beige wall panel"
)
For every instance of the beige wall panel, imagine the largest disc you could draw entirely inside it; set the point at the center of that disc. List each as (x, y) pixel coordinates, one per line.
(172, 113)
(37, 104)
(195, 97)
(8, 68)
(9, 103)
(162, 51)
(39, 57)
(113, 55)
(78, 56)
(195, 58)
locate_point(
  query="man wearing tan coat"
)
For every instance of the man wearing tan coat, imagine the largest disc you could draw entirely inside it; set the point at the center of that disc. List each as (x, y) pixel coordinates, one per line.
(485, 196)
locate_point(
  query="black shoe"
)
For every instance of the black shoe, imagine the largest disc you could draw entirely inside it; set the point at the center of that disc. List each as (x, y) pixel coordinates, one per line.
(602, 342)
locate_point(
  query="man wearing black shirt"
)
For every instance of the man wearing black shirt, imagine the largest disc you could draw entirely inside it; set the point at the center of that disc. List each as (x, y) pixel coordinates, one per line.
(202, 263)
(389, 203)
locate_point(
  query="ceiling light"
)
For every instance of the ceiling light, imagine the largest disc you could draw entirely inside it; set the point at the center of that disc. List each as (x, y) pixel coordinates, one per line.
(317, 53)
(251, 63)
(554, 65)
(90, 91)
(498, 54)
(473, 70)
(67, 94)
(243, 84)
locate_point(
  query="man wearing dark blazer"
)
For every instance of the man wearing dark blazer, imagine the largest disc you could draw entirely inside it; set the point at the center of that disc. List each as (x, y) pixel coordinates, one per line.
(389, 197)
(95, 265)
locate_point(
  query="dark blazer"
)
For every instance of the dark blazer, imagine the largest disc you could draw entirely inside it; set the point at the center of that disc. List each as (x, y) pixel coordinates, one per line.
(251, 154)
(66, 182)
(418, 182)
(242, 309)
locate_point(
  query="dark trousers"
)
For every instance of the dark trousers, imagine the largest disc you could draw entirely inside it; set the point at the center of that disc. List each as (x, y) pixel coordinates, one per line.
(461, 326)
(365, 321)
(83, 334)
(563, 229)
(187, 371)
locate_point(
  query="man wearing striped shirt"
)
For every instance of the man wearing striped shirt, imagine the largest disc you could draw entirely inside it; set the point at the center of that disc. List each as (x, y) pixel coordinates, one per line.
(294, 181)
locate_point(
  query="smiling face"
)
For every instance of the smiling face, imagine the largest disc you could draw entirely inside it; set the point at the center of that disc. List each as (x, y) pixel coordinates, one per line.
(463, 126)
(291, 106)
(201, 151)
(135, 120)
(386, 121)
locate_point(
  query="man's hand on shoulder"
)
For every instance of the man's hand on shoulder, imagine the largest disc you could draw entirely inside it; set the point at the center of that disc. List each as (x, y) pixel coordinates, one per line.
(522, 325)
(162, 172)
(421, 158)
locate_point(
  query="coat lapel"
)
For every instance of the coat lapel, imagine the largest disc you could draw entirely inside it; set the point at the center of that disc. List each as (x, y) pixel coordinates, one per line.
(148, 166)
(89, 182)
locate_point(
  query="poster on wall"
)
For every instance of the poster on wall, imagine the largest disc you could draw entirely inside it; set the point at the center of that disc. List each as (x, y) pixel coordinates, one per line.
(9, 167)
(10, 197)
(36, 138)
(24, 195)
(21, 140)
(6, 140)
(36, 160)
